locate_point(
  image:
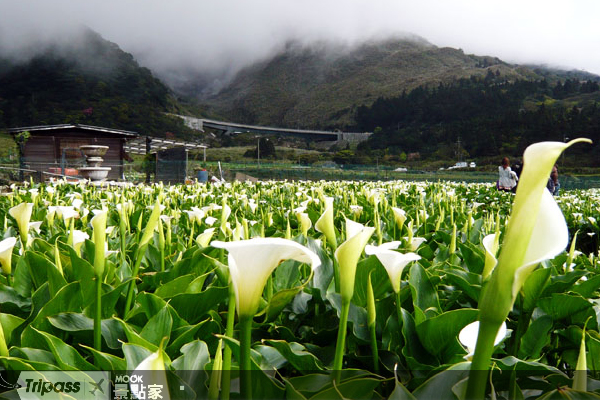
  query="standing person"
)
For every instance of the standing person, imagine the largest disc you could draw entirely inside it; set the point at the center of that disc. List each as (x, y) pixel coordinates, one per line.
(553, 183)
(507, 178)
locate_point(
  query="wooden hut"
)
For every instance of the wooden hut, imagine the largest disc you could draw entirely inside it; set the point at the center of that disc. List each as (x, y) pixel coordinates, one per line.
(55, 148)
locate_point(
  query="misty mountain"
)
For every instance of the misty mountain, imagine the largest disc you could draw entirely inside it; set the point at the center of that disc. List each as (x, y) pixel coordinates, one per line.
(321, 86)
(88, 80)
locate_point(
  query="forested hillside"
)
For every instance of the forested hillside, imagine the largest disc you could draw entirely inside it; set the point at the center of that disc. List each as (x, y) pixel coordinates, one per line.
(92, 82)
(490, 116)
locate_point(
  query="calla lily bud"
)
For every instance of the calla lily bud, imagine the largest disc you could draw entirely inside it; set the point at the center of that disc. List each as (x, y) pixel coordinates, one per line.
(348, 254)
(305, 222)
(6, 248)
(204, 238)
(150, 226)
(325, 223)
(22, 214)
(453, 240)
(99, 224)
(490, 243)
(252, 261)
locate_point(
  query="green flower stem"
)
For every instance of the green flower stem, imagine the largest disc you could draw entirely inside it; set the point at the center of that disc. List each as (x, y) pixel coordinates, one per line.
(372, 322)
(341, 342)
(336, 275)
(98, 315)
(226, 377)
(122, 229)
(374, 350)
(399, 309)
(245, 325)
(481, 360)
(134, 274)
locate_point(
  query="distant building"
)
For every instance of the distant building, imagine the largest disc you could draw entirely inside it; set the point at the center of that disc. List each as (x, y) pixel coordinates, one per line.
(50, 148)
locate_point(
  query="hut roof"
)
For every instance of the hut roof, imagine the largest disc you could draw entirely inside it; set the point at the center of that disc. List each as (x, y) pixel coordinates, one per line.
(54, 129)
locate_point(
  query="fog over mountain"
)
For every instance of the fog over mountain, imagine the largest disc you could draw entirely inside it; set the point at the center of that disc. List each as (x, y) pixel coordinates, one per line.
(205, 43)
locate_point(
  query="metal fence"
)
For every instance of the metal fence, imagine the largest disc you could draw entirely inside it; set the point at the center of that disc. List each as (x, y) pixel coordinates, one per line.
(136, 172)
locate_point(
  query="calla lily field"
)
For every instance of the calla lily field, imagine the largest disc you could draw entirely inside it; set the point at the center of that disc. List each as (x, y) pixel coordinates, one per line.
(309, 290)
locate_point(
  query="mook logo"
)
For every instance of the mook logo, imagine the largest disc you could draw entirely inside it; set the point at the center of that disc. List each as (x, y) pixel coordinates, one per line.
(51, 385)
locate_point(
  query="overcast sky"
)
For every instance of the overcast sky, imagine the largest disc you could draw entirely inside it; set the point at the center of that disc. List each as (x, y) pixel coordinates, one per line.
(227, 34)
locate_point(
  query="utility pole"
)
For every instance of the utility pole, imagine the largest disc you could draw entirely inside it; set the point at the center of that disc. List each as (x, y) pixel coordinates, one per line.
(258, 152)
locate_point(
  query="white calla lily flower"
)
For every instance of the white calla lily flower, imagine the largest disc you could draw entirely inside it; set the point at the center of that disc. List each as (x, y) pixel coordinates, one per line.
(204, 238)
(490, 244)
(79, 238)
(536, 231)
(252, 261)
(468, 337)
(6, 249)
(393, 261)
(195, 215)
(414, 242)
(35, 226)
(348, 254)
(325, 222)
(22, 214)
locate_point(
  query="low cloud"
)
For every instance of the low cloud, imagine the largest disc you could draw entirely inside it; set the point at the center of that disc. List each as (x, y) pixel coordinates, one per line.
(213, 39)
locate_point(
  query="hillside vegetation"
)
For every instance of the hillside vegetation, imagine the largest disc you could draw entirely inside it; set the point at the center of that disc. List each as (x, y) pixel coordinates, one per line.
(490, 117)
(322, 85)
(92, 82)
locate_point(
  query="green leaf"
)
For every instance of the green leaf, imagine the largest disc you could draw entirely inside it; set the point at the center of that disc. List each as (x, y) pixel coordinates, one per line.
(18, 364)
(401, 393)
(357, 316)
(587, 288)
(297, 355)
(468, 282)
(111, 329)
(534, 286)
(9, 323)
(417, 357)
(106, 361)
(203, 302)
(573, 308)
(134, 338)
(205, 329)
(12, 302)
(174, 287)
(83, 272)
(194, 357)
(423, 292)
(109, 301)
(66, 356)
(361, 388)
(286, 275)
(263, 386)
(43, 270)
(22, 282)
(135, 354)
(535, 338)
(438, 333)
(30, 354)
(440, 385)
(562, 283)
(68, 299)
(158, 327)
(379, 278)
(565, 393)
(279, 301)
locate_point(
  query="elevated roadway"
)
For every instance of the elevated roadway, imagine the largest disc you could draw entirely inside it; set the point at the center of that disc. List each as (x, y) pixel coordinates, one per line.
(233, 128)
